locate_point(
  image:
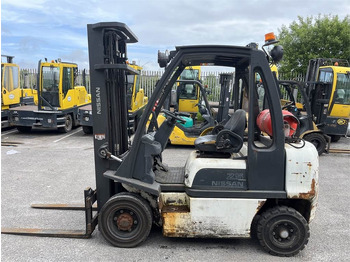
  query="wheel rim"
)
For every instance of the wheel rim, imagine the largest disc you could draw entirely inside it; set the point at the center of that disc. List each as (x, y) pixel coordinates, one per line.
(124, 223)
(316, 143)
(68, 122)
(284, 233)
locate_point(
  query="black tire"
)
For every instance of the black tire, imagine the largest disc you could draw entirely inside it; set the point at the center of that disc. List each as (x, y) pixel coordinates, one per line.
(283, 231)
(254, 227)
(68, 124)
(335, 138)
(125, 220)
(318, 140)
(24, 129)
(87, 130)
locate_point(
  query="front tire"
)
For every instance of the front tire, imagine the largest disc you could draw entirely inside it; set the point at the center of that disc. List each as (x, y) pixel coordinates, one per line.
(68, 124)
(125, 220)
(283, 231)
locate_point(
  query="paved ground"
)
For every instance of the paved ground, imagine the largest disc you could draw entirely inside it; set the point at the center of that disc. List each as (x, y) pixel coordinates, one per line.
(48, 167)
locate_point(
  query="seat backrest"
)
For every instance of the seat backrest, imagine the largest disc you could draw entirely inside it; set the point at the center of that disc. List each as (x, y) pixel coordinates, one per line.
(228, 140)
(237, 122)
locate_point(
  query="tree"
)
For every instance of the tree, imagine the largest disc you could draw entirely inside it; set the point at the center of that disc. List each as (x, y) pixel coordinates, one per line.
(321, 37)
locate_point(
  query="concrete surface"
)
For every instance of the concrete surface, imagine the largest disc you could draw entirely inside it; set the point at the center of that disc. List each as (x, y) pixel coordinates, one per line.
(49, 167)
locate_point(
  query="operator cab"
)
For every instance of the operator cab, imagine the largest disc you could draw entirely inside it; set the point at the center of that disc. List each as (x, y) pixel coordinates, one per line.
(144, 162)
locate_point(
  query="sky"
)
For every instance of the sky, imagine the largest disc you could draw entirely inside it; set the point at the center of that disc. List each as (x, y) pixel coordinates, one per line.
(36, 29)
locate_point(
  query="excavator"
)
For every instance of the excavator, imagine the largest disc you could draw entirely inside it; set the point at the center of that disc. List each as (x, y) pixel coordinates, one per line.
(58, 99)
(235, 184)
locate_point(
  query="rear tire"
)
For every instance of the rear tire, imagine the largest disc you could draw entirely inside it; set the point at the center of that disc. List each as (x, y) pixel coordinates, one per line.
(335, 138)
(68, 124)
(125, 220)
(318, 140)
(87, 130)
(283, 231)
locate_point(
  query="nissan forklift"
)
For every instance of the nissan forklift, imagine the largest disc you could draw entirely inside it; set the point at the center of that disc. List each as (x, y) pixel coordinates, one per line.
(235, 184)
(58, 99)
(136, 100)
(328, 89)
(214, 194)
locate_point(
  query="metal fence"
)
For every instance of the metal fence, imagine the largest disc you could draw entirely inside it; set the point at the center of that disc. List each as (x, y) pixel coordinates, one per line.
(148, 80)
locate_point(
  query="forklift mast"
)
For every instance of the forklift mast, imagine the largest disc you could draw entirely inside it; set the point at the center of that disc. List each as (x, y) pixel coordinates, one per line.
(226, 82)
(313, 68)
(108, 69)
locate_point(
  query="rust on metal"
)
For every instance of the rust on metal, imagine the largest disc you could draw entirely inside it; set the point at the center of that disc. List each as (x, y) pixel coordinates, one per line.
(177, 209)
(125, 222)
(311, 193)
(174, 220)
(260, 205)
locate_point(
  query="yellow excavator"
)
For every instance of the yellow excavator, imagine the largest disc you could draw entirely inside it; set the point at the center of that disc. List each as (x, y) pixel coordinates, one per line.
(58, 99)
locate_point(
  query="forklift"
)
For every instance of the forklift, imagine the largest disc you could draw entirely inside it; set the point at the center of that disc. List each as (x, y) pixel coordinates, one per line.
(308, 130)
(11, 93)
(328, 89)
(136, 100)
(194, 108)
(58, 99)
(233, 185)
(197, 119)
(188, 95)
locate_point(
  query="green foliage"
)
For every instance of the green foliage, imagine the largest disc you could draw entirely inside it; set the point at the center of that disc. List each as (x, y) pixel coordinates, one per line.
(310, 37)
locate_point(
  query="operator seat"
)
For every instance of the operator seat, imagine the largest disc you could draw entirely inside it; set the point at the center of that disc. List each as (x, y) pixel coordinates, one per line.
(228, 140)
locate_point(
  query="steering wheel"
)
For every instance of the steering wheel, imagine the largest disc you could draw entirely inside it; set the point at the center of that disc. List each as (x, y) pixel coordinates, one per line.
(287, 105)
(172, 115)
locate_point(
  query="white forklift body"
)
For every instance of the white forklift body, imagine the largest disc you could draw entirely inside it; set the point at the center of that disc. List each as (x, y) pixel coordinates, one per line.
(185, 216)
